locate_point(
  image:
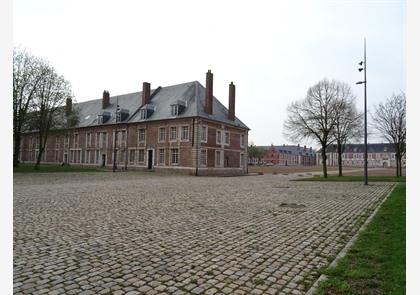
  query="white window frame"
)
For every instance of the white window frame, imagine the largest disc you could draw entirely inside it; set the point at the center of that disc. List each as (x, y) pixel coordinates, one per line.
(226, 137)
(242, 160)
(218, 131)
(206, 157)
(164, 152)
(138, 138)
(170, 133)
(182, 133)
(144, 156)
(204, 135)
(132, 151)
(164, 132)
(242, 140)
(177, 156)
(220, 162)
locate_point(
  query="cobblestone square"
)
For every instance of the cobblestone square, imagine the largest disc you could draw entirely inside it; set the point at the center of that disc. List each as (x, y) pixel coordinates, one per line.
(139, 233)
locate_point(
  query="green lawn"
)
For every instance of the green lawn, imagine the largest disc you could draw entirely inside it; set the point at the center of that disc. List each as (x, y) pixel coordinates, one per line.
(376, 262)
(29, 168)
(354, 178)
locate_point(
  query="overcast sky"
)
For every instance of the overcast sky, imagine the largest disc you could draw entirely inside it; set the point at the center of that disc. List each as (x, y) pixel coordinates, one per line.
(272, 50)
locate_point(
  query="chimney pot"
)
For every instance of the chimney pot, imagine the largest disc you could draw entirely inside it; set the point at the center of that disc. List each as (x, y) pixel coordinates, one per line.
(231, 114)
(105, 99)
(146, 93)
(208, 106)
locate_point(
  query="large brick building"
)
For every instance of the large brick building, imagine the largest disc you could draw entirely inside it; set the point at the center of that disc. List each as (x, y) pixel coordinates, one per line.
(288, 155)
(379, 155)
(176, 128)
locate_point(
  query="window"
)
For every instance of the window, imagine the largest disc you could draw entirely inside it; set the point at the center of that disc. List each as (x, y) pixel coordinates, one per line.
(203, 133)
(174, 110)
(173, 133)
(203, 158)
(143, 114)
(242, 140)
(123, 136)
(218, 137)
(57, 142)
(141, 156)
(132, 155)
(161, 156)
(87, 160)
(242, 160)
(185, 133)
(97, 138)
(88, 139)
(56, 156)
(227, 138)
(162, 134)
(76, 140)
(174, 156)
(122, 156)
(142, 135)
(218, 159)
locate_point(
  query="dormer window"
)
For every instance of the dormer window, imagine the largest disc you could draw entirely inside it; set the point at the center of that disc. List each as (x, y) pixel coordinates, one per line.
(146, 111)
(104, 117)
(174, 110)
(143, 114)
(122, 114)
(177, 108)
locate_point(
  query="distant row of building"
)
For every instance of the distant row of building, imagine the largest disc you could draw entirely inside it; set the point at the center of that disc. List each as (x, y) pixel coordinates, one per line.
(379, 155)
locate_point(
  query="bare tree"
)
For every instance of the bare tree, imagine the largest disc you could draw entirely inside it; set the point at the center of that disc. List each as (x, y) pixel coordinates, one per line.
(315, 116)
(349, 121)
(49, 112)
(27, 74)
(389, 120)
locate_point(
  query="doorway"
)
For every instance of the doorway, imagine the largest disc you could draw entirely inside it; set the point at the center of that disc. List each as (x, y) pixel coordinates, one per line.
(150, 159)
(103, 160)
(65, 159)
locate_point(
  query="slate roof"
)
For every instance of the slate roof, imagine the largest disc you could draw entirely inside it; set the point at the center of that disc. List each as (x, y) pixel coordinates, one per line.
(292, 150)
(192, 93)
(360, 148)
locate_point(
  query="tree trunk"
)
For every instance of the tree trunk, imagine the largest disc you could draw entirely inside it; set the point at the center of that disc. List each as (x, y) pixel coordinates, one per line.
(340, 162)
(324, 161)
(16, 149)
(400, 165)
(397, 162)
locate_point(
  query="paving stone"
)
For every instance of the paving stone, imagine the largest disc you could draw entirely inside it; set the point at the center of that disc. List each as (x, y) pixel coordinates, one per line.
(140, 233)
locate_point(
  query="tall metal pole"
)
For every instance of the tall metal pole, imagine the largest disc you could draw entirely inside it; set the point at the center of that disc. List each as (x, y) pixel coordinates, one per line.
(366, 153)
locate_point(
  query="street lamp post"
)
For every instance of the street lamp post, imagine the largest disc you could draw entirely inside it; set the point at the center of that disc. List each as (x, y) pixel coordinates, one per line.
(365, 112)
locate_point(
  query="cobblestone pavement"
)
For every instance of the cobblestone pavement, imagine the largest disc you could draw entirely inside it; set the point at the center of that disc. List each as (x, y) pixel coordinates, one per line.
(137, 233)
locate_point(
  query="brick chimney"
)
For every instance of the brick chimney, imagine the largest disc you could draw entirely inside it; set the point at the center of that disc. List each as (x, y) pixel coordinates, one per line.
(69, 106)
(146, 93)
(105, 99)
(208, 106)
(231, 114)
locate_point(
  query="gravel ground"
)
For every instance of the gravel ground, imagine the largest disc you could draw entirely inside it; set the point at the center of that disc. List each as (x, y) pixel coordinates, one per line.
(138, 233)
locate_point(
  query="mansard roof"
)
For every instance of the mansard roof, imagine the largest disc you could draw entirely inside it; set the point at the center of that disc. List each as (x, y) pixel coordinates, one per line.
(191, 93)
(360, 148)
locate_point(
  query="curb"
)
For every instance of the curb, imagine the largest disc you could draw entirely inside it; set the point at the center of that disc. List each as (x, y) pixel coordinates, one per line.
(349, 244)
